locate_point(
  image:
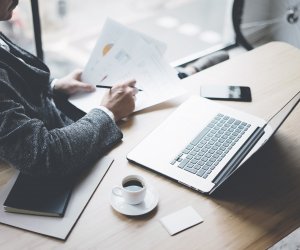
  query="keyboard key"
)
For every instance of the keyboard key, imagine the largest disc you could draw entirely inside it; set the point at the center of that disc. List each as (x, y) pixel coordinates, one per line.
(193, 153)
(194, 161)
(208, 155)
(201, 172)
(186, 151)
(212, 159)
(197, 157)
(201, 163)
(183, 163)
(173, 162)
(191, 170)
(197, 167)
(211, 125)
(190, 146)
(205, 167)
(190, 165)
(204, 158)
(216, 155)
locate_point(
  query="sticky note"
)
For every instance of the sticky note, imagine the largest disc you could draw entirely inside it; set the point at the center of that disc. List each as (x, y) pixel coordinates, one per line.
(181, 220)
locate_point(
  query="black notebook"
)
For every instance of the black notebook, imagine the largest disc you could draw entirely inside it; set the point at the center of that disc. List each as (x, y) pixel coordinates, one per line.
(39, 196)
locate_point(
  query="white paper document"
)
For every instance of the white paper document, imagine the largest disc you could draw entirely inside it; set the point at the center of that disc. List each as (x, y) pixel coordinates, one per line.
(122, 54)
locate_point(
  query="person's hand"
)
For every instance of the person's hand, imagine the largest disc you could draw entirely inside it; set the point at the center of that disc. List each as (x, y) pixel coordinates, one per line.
(72, 84)
(120, 99)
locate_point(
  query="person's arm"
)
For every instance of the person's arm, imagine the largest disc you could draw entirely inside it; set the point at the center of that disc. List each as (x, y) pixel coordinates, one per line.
(29, 146)
(117, 103)
(26, 143)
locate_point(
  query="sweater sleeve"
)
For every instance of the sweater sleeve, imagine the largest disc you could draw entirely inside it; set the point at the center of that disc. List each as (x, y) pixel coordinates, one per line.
(26, 143)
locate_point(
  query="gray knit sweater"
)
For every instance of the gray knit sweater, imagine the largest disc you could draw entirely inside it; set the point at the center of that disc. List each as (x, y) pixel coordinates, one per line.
(36, 137)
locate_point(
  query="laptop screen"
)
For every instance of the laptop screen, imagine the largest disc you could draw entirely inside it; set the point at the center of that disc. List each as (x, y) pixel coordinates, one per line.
(277, 119)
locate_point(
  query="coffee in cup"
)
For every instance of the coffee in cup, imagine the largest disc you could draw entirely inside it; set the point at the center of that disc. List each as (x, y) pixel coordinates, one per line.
(132, 189)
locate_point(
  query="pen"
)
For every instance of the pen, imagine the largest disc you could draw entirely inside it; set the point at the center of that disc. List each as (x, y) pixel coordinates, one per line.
(109, 87)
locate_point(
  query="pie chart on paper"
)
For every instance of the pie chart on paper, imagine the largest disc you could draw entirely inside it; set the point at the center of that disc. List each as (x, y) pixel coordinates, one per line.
(107, 48)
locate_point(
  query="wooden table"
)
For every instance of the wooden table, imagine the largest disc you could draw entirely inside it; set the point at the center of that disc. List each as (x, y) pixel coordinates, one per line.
(255, 208)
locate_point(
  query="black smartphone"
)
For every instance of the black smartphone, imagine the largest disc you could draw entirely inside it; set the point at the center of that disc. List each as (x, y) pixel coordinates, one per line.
(223, 92)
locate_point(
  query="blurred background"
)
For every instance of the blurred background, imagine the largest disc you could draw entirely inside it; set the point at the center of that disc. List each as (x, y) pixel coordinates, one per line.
(70, 28)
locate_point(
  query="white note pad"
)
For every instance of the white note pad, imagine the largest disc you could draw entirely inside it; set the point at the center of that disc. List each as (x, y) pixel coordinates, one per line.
(181, 220)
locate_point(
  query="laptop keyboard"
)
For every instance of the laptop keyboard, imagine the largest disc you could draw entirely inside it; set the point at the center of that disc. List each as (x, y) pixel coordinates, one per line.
(211, 145)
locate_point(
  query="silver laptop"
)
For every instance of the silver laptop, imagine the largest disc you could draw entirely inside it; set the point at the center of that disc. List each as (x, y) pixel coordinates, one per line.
(202, 142)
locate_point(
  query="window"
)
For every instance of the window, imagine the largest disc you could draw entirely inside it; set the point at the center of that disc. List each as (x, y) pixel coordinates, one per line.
(70, 28)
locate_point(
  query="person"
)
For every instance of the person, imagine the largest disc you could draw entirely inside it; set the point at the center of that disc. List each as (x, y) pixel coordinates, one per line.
(36, 137)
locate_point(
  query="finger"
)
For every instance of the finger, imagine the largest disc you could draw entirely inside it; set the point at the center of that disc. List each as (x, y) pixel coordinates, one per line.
(77, 74)
(85, 86)
(130, 83)
(135, 90)
(131, 90)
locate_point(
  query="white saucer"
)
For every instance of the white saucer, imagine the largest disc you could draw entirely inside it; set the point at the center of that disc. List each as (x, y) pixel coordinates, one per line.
(150, 202)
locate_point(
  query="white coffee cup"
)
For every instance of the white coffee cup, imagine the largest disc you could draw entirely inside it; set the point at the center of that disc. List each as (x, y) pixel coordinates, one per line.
(132, 189)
